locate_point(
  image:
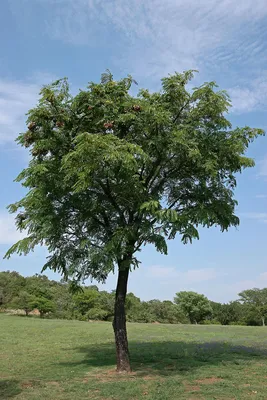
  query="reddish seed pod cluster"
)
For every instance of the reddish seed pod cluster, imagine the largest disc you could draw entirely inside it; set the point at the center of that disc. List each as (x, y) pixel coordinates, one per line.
(109, 125)
(21, 217)
(39, 152)
(90, 108)
(32, 126)
(136, 107)
(28, 139)
(59, 124)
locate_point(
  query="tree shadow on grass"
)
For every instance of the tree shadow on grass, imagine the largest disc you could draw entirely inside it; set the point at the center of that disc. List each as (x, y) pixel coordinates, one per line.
(9, 388)
(170, 358)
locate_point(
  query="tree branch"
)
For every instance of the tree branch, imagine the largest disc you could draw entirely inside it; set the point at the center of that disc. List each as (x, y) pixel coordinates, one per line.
(108, 193)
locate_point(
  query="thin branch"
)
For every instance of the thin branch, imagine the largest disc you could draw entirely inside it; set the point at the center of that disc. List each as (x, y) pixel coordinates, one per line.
(107, 192)
(182, 108)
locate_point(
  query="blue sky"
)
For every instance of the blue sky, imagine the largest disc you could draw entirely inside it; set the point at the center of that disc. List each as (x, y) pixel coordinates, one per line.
(225, 40)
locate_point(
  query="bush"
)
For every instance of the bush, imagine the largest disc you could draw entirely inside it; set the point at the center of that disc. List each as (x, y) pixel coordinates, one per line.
(96, 314)
(210, 322)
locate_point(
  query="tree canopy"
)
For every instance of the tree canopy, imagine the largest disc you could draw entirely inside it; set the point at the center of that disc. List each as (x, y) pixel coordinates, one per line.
(195, 306)
(111, 172)
(256, 299)
(90, 303)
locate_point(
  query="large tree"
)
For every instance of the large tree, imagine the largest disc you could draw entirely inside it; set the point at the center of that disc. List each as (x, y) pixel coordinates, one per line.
(111, 172)
(256, 300)
(24, 301)
(195, 306)
(232, 312)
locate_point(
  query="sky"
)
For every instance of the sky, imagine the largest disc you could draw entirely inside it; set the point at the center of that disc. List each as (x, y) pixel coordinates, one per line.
(226, 41)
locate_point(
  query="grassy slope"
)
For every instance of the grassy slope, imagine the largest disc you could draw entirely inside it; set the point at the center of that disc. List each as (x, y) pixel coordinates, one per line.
(66, 360)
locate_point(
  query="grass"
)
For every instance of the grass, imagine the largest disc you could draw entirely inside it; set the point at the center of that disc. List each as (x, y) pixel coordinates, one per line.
(66, 360)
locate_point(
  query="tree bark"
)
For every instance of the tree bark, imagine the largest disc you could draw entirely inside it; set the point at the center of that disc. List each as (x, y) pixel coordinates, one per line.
(263, 321)
(119, 322)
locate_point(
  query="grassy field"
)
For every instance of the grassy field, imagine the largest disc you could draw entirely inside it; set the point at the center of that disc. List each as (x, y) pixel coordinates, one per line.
(66, 360)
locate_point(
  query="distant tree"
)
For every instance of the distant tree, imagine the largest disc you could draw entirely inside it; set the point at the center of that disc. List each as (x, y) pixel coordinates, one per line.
(24, 301)
(86, 300)
(106, 302)
(110, 172)
(11, 283)
(43, 305)
(256, 299)
(227, 313)
(172, 313)
(63, 299)
(195, 306)
(97, 314)
(164, 312)
(40, 286)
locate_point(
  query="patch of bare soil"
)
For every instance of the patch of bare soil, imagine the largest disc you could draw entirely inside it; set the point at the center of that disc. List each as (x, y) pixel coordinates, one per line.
(53, 383)
(26, 385)
(191, 388)
(209, 381)
(113, 375)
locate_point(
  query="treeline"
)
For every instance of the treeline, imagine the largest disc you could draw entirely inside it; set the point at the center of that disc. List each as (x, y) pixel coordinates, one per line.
(55, 299)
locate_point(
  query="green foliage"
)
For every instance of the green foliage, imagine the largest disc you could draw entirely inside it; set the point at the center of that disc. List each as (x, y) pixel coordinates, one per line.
(43, 305)
(110, 172)
(57, 300)
(195, 306)
(85, 300)
(11, 283)
(24, 301)
(97, 314)
(66, 360)
(256, 300)
(228, 314)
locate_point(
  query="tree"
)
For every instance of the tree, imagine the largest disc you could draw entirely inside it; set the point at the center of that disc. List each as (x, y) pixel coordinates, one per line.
(24, 301)
(40, 286)
(227, 313)
(85, 300)
(256, 299)
(63, 299)
(43, 305)
(111, 172)
(106, 302)
(195, 306)
(11, 283)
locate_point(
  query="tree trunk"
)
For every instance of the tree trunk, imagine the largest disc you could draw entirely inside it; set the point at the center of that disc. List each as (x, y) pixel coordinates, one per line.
(119, 322)
(263, 321)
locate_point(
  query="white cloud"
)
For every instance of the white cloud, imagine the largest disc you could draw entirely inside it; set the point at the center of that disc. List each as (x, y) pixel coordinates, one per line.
(8, 233)
(259, 281)
(250, 96)
(263, 167)
(263, 276)
(158, 36)
(261, 196)
(16, 98)
(260, 216)
(168, 274)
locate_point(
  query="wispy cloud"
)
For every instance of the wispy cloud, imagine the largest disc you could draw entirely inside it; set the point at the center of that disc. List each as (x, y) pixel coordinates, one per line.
(160, 36)
(250, 96)
(263, 167)
(259, 281)
(261, 196)
(259, 216)
(8, 232)
(16, 98)
(191, 276)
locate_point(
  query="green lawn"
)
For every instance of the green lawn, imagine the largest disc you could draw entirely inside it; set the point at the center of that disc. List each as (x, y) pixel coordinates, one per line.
(71, 360)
